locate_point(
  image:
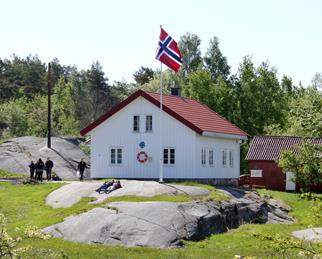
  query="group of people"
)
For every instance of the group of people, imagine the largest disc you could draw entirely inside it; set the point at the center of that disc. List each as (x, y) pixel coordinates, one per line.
(110, 186)
(37, 169)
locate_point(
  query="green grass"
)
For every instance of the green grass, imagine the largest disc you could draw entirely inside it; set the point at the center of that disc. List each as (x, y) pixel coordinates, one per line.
(6, 174)
(24, 205)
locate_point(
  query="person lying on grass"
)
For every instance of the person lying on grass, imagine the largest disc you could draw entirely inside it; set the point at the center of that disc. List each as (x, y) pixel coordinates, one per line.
(104, 187)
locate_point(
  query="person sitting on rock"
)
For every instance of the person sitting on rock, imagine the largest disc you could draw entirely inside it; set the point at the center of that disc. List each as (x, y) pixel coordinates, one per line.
(116, 185)
(104, 187)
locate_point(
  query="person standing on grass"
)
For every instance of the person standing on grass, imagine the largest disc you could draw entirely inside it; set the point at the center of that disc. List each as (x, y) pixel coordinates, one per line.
(32, 167)
(40, 166)
(81, 167)
(49, 166)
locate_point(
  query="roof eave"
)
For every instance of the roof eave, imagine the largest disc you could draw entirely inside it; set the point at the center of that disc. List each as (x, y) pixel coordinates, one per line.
(223, 135)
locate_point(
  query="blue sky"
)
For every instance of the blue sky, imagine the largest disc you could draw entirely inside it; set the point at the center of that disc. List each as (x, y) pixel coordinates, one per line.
(123, 34)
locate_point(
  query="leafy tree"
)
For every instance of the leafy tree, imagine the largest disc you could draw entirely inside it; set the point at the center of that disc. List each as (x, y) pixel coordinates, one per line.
(304, 117)
(143, 75)
(215, 62)
(317, 81)
(261, 99)
(189, 45)
(287, 85)
(64, 109)
(14, 116)
(306, 165)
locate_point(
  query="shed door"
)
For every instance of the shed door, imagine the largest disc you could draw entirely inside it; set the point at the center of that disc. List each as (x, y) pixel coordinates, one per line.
(290, 186)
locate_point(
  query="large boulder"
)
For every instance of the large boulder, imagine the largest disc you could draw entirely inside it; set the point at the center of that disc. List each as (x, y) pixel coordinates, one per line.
(16, 154)
(164, 224)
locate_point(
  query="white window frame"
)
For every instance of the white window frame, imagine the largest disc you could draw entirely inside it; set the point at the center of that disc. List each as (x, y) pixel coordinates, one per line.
(224, 158)
(231, 158)
(256, 173)
(146, 123)
(169, 156)
(116, 160)
(203, 156)
(138, 123)
(211, 157)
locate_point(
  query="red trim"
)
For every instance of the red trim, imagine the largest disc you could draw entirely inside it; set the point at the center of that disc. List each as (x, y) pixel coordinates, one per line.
(154, 101)
(128, 100)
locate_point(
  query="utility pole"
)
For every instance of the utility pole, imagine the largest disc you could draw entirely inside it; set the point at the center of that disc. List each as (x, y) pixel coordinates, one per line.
(49, 107)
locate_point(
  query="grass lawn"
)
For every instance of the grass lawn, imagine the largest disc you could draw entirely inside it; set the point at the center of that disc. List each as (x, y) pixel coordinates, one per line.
(24, 205)
(6, 174)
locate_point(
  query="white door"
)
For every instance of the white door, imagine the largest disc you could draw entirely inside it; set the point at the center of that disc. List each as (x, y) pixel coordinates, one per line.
(290, 185)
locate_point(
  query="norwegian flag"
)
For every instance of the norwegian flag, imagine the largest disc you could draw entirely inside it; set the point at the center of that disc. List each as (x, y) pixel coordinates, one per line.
(168, 52)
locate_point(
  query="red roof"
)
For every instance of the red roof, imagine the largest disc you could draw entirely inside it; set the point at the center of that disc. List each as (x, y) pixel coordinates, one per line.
(268, 148)
(193, 114)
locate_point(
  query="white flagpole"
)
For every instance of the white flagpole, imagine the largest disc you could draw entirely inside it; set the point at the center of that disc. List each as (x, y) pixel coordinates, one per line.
(160, 127)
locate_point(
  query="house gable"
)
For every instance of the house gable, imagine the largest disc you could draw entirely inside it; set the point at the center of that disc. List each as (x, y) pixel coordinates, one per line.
(191, 113)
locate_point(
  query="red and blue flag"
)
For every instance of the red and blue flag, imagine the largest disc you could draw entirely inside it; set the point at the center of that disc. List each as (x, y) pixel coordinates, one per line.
(168, 52)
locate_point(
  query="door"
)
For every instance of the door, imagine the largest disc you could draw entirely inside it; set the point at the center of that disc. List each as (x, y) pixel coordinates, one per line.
(290, 185)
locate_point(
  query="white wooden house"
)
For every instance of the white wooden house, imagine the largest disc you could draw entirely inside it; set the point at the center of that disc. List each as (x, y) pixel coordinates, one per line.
(197, 142)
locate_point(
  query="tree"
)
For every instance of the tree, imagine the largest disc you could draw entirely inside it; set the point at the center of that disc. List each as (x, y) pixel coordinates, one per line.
(99, 90)
(287, 85)
(304, 116)
(306, 165)
(64, 109)
(317, 81)
(143, 75)
(189, 45)
(261, 100)
(215, 62)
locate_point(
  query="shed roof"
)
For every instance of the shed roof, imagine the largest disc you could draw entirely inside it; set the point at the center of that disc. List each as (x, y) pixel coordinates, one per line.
(190, 112)
(269, 147)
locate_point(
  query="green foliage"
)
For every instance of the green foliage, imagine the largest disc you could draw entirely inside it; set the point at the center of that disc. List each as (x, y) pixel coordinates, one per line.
(143, 76)
(189, 45)
(215, 62)
(306, 165)
(64, 109)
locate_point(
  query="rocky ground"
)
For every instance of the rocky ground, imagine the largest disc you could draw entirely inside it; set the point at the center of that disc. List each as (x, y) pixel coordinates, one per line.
(71, 193)
(16, 154)
(166, 224)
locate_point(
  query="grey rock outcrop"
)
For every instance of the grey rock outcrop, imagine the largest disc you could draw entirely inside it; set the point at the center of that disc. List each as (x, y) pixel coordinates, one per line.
(16, 154)
(165, 224)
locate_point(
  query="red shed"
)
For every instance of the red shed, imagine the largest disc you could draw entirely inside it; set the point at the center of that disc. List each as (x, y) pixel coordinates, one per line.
(261, 157)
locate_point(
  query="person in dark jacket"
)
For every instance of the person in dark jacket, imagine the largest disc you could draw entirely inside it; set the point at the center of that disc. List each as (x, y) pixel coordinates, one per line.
(49, 166)
(104, 187)
(81, 167)
(40, 166)
(32, 167)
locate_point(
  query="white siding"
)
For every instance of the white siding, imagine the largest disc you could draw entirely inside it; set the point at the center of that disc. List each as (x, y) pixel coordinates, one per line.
(117, 131)
(217, 170)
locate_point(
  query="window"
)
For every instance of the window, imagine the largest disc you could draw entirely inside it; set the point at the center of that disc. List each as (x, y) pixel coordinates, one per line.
(203, 156)
(224, 158)
(231, 158)
(211, 157)
(255, 173)
(148, 123)
(116, 156)
(169, 156)
(136, 123)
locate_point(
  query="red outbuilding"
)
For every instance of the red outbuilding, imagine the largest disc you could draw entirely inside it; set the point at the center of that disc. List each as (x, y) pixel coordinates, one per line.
(262, 155)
